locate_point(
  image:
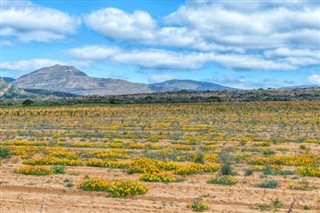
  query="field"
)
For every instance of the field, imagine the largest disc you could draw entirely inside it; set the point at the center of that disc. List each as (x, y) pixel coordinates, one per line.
(215, 157)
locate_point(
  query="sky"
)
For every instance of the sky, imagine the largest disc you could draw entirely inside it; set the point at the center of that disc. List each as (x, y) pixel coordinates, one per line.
(244, 44)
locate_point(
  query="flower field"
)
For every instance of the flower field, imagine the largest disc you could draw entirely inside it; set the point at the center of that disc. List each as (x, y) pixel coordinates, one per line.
(217, 157)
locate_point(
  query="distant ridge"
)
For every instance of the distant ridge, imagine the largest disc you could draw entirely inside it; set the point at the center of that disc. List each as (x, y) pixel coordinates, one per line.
(8, 79)
(300, 87)
(69, 79)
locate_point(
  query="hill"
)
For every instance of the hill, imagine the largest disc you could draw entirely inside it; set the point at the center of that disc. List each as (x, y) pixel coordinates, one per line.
(71, 80)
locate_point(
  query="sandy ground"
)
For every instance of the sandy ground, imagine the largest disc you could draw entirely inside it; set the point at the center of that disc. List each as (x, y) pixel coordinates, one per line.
(23, 193)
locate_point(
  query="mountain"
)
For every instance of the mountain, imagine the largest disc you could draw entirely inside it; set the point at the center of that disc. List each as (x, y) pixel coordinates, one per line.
(188, 85)
(8, 79)
(71, 80)
(301, 87)
(7, 91)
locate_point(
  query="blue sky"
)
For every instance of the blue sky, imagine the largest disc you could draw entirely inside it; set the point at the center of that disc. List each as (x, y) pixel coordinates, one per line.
(244, 44)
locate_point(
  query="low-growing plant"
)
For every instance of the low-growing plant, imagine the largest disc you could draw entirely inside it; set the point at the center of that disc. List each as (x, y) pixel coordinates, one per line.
(198, 206)
(276, 203)
(66, 180)
(34, 170)
(269, 171)
(127, 187)
(158, 177)
(306, 207)
(70, 184)
(189, 169)
(248, 172)
(312, 171)
(301, 185)
(226, 169)
(268, 184)
(59, 170)
(223, 180)
(4, 152)
(94, 184)
(143, 165)
(199, 158)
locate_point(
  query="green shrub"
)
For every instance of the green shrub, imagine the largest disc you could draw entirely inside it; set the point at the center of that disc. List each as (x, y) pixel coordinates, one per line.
(70, 184)
(199, 158)
(5, 153)
(268, 184)
(27, 102)
(226, 169)
(198, 206)
(248, 173)
(58, 170)
(223, 180)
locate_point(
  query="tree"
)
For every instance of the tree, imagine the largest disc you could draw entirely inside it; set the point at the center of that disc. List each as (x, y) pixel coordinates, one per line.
(27, 102)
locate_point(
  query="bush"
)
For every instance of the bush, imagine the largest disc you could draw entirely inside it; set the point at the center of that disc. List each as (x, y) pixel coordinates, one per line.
(189, 169)
(226, 169)
(27, 102)
(5, 153)
(94, 184)
(69, 184)
(268, 184)
(312, 171)
(158, 177)
(223, 180)
(199, 158)
(59, 170)
(198, 206)
(34, 170)
(248, 173)
(116, 188)
(269, 171)
(143, 165)
(302, 185)
(127, 187)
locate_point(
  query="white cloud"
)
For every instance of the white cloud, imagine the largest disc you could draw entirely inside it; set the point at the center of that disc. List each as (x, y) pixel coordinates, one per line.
(162, 59)
(94, 52)
(261, 35)
(286, 52)
(120, 25)
(5, 43)
(245, 83)
(161, 78)
(251, 62)
(28, 65)
(31, 22)
(259, 29)
(314, 79)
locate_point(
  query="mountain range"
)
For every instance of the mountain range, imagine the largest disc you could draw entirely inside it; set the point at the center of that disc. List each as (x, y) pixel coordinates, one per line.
(68, 79)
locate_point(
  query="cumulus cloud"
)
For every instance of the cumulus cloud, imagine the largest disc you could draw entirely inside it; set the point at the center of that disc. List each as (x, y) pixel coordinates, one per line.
(261, 35)
(120, 25)
(31, 22)
(94, 52)
(161, 78)
(268, 28)
(314, 79)
(169, 60)
(28, 65)
(245, 83)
